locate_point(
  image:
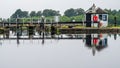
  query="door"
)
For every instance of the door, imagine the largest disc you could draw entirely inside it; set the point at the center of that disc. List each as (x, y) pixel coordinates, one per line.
(88, 20)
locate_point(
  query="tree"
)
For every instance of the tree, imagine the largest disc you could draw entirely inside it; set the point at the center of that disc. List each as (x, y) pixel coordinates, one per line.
(69, 12)
(39, 13)
(20, 14)
(32, 14)
(17, 13)
(108, 11)
(25, 14)
(114, 12)
(74, 12)
(50, 12)
(79, 11)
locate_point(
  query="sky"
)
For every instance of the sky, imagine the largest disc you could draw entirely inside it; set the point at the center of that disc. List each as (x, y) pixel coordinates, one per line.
(8, 7)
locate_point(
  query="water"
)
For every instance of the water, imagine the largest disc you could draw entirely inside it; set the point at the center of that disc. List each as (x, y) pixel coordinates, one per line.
(62, 53)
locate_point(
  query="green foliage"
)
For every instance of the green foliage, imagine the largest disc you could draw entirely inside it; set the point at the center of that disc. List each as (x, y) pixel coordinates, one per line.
(20, 14)
(32, 14)
(77, 18)
(79, 11)
(74, 12)
(39, 13)
(49, 19)
(70, 12)
(111, 19)
(50, 12)
(112, 14)
(64, 19)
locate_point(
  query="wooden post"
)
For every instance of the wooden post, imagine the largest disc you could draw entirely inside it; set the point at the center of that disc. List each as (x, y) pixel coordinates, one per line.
(115, 21)
(43, 29)
(17, 29)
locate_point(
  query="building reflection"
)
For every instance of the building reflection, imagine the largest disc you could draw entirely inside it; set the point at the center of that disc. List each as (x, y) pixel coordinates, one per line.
(96, 42)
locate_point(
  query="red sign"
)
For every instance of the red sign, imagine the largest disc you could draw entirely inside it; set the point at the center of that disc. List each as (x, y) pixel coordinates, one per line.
(95, 18)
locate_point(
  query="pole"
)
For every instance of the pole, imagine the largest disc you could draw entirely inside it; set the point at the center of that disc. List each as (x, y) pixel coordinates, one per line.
(115, 23)
(43, 29)
(17, 29)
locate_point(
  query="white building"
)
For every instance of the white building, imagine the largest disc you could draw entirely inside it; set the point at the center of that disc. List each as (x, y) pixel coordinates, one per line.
(96, 17)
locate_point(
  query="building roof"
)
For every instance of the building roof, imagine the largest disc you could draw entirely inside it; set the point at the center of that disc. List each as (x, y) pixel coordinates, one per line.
(94, 10)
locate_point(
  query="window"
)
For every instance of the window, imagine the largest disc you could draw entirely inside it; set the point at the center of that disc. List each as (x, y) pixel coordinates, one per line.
(104, 17)
(100, 17)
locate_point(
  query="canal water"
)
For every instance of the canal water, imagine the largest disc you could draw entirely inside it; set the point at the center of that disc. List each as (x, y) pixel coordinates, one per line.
(90, 51)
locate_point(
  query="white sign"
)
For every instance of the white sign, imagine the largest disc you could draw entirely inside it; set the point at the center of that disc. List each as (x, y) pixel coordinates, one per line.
(56, 19)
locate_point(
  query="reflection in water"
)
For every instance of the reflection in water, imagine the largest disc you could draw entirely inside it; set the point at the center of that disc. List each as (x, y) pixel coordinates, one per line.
(96, 42)
(69, 52)
(115, 36)
(18, 42)
(43, 38)
(0, 42)
(18, 39)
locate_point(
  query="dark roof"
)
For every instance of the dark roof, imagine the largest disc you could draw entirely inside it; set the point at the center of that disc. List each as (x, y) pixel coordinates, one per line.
(95, 10)
(100, 11)
(91, 9)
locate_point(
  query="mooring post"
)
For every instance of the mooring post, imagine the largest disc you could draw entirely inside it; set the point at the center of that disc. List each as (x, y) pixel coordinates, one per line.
(9, 25)
(43, 29)
(39, 26)
(4, 30)
(17, 29)
(115, 21)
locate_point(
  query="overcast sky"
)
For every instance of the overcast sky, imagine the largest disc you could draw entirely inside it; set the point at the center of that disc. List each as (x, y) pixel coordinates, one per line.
(8, 7)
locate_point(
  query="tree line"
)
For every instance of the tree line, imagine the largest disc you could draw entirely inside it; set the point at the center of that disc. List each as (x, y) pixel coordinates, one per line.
(26, 14)
(47, 13)
(68, 16)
